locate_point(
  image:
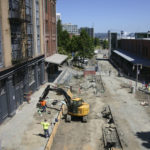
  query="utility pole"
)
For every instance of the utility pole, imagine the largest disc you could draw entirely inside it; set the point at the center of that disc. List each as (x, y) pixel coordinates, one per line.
(109, 40)
(137, 73)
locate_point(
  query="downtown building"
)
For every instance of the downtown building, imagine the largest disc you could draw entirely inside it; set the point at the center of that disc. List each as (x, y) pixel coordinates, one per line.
(89, 31)
(140, 35)
(71, 29)
(58, 17)
(132, 57)
(52, 58)
(27, 38)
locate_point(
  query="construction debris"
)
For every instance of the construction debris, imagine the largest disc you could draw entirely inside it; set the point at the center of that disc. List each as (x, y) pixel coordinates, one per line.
(125, 85)
(110, 134)
(111, 139)
(144, 103)
(106, 113)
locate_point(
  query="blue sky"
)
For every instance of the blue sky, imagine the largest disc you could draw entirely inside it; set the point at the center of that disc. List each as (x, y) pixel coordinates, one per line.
(104, 15)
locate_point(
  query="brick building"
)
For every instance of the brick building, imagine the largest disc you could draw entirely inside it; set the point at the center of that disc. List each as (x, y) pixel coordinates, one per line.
(50, 27)
(51, 60)
(21, 52)
(132, 53)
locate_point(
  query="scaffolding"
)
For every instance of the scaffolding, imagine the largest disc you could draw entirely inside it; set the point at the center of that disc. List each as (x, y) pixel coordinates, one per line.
(20, 17)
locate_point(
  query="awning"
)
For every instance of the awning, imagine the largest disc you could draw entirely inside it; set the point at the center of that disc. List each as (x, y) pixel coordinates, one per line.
(133, 58)
(56, 59)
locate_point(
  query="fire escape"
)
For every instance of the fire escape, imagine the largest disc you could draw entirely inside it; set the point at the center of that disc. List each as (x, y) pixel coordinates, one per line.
(20, 17)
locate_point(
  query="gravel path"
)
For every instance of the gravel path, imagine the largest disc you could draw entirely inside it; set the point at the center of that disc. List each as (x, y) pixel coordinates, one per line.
(82, 136)
(131, 118)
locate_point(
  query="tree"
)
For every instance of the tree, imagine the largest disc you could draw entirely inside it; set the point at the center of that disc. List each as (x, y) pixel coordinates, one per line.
(59, 32)
(74, 44)
(96, 42)
(105, 44)
(65, 40)
(82, 45)
(86, 46)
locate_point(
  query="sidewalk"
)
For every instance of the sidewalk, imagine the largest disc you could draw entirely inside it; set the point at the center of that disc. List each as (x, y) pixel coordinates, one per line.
(12, 131)
(23, 131)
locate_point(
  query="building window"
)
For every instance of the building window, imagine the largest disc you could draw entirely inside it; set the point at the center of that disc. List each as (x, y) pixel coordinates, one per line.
(38, 26)
(46, 6)
(21, 35)
(1, 61)
(47, 46)
(53, 10)
(31, 75)
(46, 28)
(38, 46)
(2, 87)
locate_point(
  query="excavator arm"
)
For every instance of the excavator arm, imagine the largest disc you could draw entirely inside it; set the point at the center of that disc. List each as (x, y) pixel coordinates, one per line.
(45, 93)
(59, 91)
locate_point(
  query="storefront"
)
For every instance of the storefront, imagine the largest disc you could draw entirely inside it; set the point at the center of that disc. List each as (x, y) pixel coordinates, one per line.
(18, 80)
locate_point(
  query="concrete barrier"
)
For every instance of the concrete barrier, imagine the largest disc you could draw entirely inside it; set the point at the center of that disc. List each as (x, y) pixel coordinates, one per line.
(54, 130)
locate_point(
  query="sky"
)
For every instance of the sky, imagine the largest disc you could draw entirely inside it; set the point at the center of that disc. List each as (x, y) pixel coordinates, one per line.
(104, 15)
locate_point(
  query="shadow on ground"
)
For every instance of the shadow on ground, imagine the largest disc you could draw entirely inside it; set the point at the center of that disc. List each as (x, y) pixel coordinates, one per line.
(41, 135)
(145, 137)
(52, 77)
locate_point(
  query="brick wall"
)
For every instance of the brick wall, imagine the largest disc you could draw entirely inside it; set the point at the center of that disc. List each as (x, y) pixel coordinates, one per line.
(91, 72)
(136, 46)
(50, 27)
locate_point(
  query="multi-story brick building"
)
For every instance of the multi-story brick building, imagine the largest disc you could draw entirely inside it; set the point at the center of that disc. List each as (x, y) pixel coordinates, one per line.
(50, 26)
(21, 52)
(52, 59)
(132, 53)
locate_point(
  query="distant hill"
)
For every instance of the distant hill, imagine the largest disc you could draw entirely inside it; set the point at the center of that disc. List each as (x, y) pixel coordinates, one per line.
(101, 35)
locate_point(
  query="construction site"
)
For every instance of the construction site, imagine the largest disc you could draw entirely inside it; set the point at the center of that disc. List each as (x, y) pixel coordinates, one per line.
(117, 117)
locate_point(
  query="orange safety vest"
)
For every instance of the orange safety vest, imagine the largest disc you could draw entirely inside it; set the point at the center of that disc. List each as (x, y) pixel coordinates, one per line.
(43, 103)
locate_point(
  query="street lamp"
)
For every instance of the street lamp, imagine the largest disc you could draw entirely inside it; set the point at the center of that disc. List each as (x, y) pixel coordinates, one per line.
(137, 72)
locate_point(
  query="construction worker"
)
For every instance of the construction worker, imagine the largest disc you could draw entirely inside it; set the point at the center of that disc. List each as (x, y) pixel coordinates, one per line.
(43, 105)
(45, 128)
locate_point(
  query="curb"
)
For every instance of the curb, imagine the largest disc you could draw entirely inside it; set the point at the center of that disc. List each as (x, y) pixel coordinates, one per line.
(53, 133)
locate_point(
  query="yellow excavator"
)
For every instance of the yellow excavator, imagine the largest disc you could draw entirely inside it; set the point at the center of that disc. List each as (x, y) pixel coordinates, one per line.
(76, 106)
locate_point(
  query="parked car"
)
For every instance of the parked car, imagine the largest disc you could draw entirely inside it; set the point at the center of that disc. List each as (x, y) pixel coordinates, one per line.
(85, 61)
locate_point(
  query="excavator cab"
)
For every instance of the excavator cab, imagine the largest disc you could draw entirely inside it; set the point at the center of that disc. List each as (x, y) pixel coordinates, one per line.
(77, 108)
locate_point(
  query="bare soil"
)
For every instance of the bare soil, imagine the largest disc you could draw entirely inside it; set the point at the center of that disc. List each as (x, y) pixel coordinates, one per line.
(23, 131)
(77, 135)
(132, 119)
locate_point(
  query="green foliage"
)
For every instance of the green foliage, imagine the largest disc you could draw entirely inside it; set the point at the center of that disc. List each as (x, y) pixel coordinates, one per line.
(64, 52)
(82, 45)
(63, 37)
(59, 32)
(65, 40)
(74, 44)
(105, 44)
(86, 45)
(96, 42)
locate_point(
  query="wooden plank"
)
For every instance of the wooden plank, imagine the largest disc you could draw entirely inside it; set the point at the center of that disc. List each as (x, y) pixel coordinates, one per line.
(50, 140)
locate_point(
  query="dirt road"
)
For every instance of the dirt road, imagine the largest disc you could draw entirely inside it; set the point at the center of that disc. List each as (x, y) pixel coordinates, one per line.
(82, 136)
(131, 119)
